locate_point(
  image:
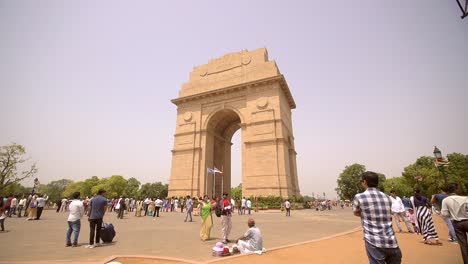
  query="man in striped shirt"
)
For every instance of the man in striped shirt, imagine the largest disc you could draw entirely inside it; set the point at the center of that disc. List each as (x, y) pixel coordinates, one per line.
(374, 209)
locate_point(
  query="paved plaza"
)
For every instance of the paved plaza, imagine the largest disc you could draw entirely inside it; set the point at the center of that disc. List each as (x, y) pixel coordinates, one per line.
(167, 236)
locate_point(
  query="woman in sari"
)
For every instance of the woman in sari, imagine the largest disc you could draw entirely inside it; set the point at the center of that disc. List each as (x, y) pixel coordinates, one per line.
(424, 218)
(207, 220)
(32, 213)
(151, 207)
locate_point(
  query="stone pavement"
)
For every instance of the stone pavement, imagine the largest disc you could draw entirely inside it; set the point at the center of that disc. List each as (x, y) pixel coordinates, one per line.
(166, 236)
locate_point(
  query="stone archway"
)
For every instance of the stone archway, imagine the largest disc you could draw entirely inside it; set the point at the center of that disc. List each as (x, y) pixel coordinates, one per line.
(245, 91)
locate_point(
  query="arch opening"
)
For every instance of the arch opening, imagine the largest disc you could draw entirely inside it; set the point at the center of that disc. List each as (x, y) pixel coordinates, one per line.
(220, 130)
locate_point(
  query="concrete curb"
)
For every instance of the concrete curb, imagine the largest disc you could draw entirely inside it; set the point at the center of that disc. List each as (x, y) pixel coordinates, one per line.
(111, 258)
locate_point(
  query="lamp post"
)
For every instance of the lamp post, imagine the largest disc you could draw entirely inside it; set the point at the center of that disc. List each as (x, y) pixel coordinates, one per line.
(440, 163)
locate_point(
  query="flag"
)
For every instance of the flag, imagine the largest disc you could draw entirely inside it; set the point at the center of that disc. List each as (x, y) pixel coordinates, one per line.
(217, 171)
(210, 171)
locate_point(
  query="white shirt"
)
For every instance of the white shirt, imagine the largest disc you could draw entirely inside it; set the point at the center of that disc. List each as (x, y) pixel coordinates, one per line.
(455, 207)
(158, 202)
(41, 201)
(243, 202)
(254, 237)
(22, 202)
(249, 204)
(397, 204)
(14, 202)
(233, 203)
(287, 204)
(76, 208)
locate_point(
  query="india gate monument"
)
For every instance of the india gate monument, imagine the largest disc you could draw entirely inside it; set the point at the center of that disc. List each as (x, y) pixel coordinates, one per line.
(242, 90)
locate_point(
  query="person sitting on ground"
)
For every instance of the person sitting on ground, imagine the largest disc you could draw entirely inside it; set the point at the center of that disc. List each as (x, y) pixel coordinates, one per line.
(252, 240)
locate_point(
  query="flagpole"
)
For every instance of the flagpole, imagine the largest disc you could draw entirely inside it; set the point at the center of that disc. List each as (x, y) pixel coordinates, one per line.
(206, 182)
(214, 184)
(222, 184)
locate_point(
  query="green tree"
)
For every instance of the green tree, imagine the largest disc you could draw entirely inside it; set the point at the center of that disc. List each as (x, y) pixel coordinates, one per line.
(431, 178)
(114, 186)
(349, 181)
(71, 188)
(55, 189)
(88, 184)
(12, 157)
(131, 190)
(457, 171)
(153, 190)
(16, 188)
(236, 192)
(400, 185)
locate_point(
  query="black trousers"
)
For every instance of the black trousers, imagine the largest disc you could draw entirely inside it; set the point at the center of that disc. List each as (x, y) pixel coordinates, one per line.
(95, 226)
(39, 212)
(157, 211)
(461, 228)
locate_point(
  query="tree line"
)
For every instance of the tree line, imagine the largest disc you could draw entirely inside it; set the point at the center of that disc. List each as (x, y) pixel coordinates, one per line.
(422, 174)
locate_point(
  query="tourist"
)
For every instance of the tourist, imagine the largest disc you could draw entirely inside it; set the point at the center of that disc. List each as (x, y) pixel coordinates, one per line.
(41, 201)
(398, 210)
(424, 222)
(74, 220)
(3, 214)
(233, 204)
(248, 204)
(287, 206)
(455, 207)
(189, 208)
(207, 218)
(151, 207)
(412, 219)
(243, 205)
(63, 206)
(182, 204)
(121, 207)
(226, 218)
(96, 214)
(32, 210)
(21, 204)
(13, 206)
(252, 240)
(158, 203)
(374, 209)
(436, 200)
(176, 204)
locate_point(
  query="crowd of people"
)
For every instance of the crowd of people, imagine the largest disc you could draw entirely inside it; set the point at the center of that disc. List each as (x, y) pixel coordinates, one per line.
(376, 209)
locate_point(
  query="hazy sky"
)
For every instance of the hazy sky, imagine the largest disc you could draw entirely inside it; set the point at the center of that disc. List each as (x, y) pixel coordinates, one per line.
(86, 86)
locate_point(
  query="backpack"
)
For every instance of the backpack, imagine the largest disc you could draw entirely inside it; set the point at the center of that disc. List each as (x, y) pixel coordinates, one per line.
(218, 209)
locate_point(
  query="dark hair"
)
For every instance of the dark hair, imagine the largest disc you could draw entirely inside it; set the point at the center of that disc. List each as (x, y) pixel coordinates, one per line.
(101, 191)
(371, 178)
(76, 195)
(392, 191)
(452, 187)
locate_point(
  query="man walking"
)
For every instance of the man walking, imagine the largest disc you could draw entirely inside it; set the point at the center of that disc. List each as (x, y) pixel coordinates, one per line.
(455, 207)
(287, 206)
(374, 209)
(248, 203)
(398, 210)
(96, 214)
(243, 206)
(14, 204)
(157, 205)
(74, 220)
(437, 202)
(41, 201)
(226, 218)
(189, 208)
(21, 205)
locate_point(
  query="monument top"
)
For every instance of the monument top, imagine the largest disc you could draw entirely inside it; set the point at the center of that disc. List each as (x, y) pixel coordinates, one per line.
(229, 70)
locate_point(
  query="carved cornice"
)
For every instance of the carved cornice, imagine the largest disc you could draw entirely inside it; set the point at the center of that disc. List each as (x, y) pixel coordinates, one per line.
(280, 79)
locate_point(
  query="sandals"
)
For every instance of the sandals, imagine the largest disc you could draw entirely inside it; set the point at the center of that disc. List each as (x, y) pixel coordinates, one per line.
(433, 242)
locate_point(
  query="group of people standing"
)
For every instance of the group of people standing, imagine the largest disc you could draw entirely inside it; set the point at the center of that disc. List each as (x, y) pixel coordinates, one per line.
(13, 205)
(375, 209)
